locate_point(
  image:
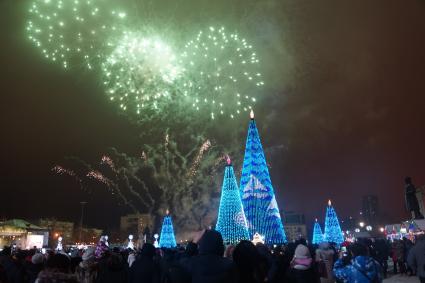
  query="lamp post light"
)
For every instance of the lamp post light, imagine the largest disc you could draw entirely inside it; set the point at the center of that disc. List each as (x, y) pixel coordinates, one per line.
(361, 224)
(83, 203)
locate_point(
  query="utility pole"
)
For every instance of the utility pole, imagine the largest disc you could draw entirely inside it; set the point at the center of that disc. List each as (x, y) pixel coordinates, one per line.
(81, 220)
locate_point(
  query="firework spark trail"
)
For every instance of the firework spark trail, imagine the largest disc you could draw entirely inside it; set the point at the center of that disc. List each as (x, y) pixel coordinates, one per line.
(63, 171)
(128, 173)
(96, 175)
(144, 156)
(166, 184)
(135, 193)
(195, 164)
(108, 161)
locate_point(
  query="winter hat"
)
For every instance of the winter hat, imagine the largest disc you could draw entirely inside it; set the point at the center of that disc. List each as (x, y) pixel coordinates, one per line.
(302, 252)
(211, 243)
(88, 254)
(37, 259)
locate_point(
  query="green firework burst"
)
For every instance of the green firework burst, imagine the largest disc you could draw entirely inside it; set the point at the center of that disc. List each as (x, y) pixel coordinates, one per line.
(73, 32)
(221, 73)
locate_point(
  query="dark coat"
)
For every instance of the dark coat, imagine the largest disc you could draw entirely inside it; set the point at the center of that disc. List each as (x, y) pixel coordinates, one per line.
(210, 266)
(145, 269)
(33, 270)
(112, 269)
(302, 276)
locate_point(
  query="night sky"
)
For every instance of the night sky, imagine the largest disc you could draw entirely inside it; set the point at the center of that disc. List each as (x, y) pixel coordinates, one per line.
(344, 108)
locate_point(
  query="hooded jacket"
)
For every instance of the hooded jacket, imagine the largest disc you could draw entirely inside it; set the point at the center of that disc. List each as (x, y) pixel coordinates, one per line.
(210, 266)
(353, 273)
(145, 268)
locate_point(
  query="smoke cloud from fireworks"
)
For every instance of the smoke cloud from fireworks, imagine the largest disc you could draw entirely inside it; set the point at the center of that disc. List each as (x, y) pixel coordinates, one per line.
(166, 178)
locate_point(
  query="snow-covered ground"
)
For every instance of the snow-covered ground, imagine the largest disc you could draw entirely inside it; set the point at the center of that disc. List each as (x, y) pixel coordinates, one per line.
(402, 279)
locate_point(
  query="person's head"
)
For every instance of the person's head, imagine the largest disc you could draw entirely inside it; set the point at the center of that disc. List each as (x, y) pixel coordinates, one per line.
(245, 253)
(88, 254)
(249, 261)
(37, 259)
(148, 250)
(59, 262)
(324, 246)
(20, 255)
(408, 180)
(114, 261)
(211, 243)
(302, 252)
(420, 238)
(358, 249)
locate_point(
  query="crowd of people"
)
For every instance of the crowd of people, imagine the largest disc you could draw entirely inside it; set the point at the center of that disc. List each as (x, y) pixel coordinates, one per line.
(209, 261)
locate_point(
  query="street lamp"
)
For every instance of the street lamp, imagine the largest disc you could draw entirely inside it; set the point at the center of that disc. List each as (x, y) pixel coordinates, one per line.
(361, 224)
(382, 229)
(369, 228)
(83, 203)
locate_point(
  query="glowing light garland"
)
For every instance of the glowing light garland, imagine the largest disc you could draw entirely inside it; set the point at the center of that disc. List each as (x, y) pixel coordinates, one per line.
(73, 31)
(231, 221)
(317, 234)
(333, 232)
(167, 238)
(221, 72)
(257, 193)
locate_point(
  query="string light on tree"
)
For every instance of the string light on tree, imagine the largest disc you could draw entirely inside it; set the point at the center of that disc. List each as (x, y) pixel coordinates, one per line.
(167, 238)
(258, 198)
(333, 232)
(221, 72)
(231, 221)
(317, 233)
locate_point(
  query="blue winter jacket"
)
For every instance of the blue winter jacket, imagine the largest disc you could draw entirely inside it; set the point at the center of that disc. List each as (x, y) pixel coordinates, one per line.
(353, 273)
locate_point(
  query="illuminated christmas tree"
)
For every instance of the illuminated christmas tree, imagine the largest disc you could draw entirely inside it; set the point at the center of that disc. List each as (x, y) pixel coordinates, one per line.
(317, 233)
(333, 233)
(257, 193)
(167, 239)
(231, 221)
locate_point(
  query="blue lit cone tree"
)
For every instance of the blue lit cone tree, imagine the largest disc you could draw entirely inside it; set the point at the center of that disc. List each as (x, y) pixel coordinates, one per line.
(333, 232)
(231, 221)
(317, 234)
(167, 238)
(257, 193)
